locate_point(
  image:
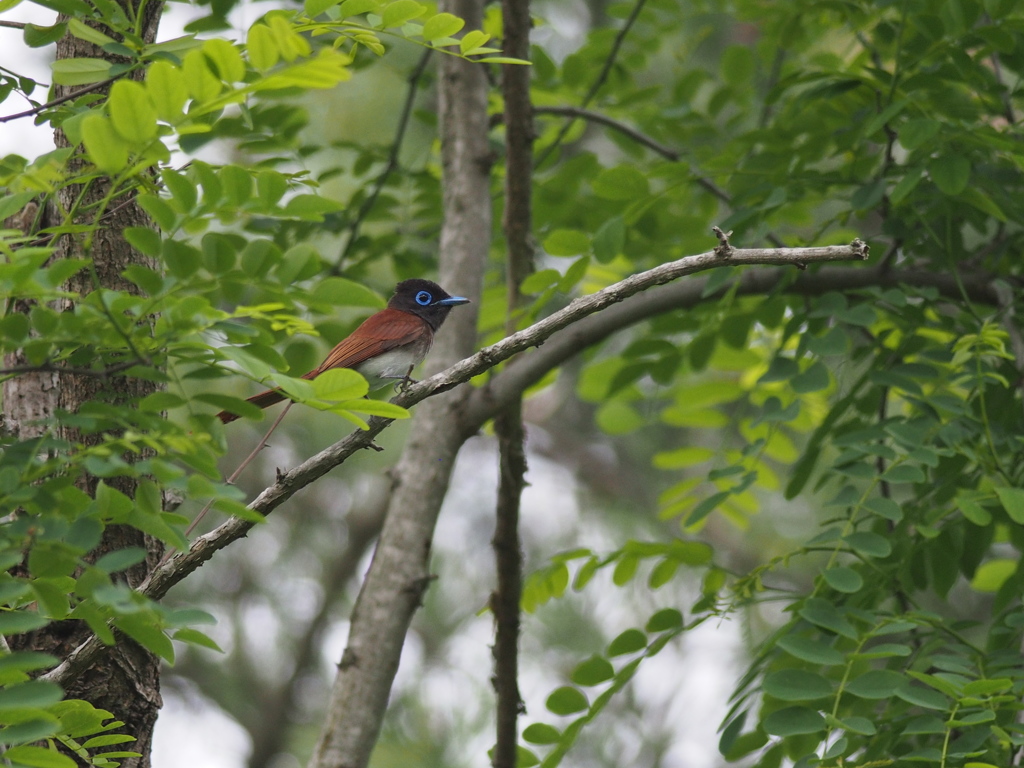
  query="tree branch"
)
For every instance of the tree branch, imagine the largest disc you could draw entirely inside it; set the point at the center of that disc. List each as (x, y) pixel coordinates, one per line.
(58, 101)
(400, 570)
(506, 598)
(601, 77)
(508, 427)
(646, 141)
(392, 164)
(288, 483)
(531, 367)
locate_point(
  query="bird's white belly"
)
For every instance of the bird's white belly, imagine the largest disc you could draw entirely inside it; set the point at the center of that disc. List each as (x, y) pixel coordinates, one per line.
(385, 368)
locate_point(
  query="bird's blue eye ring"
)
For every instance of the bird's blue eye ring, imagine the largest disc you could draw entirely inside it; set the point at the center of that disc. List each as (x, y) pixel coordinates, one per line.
(423, 298)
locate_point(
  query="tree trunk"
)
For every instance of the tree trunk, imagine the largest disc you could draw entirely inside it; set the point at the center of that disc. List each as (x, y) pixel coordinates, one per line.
(126, 680)
(399, 573)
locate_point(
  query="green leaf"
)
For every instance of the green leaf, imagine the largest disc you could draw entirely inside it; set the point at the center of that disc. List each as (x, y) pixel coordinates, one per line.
(143, 630)
(843, 579)
(195, 637)
(227, 61)
(916, 133)
(793, 721)
(797, 685)
(339, 384)
(810, 650)
(357, 7)
(992, 574)
(567, 700)
(373, 408)
(105, 147)
(885, 507)
(682, 457)
(869, 195)
(11, 204)
(540, 280)
(706, 507)
(906, 185)
(630, 641)
(625, 569)
(314, 8)
(121, 559)
(80, 71)
(262, 47)
(665, 620)
(737, 66)
(19, 622)
(202, 84)
(159, 211)
(876, 684)
(823, 614)
(1012, 500)
(951, 173)
(814, 379)
(593, 671)
(623, 182)
(541, 733)
(903, 473)
(310, 207)
(34, 693)
(144, 239)
(567, 242)
(131, 111)
(401, 11)
(339, 292)
(37, 36)
(83, 31)
(609, 239)
(30, 730)
(525, 758)
(470, 41)
(869, 544)
(441, 25)
(617, 417)
(38, 757)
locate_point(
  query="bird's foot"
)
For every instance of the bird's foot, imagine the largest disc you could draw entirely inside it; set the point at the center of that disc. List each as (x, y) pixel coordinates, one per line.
(403, 384)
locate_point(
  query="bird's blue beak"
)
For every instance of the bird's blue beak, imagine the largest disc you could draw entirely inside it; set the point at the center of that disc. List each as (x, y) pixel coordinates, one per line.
(452, 301)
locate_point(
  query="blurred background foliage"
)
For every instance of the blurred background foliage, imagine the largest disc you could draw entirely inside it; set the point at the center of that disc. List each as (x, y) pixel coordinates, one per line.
(823, 473)
(856, 446)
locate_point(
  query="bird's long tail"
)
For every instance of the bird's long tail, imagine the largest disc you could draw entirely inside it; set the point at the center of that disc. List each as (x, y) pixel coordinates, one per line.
(262, 400)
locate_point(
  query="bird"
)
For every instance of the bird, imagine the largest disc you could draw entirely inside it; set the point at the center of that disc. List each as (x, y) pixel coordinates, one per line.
(388, 344)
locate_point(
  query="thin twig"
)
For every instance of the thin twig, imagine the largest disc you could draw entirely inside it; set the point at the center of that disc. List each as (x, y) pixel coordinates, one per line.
(599, 117)
(234, 475)
(56, 102)
(655, 146)
(13, 24)
(103, 373)
(601, 77)
(392, 165)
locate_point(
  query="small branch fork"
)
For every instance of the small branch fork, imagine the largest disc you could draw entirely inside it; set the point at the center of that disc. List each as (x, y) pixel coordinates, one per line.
(181, 564)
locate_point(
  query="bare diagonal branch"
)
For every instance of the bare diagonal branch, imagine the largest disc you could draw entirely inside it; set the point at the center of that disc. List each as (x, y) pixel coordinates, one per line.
(288, 483)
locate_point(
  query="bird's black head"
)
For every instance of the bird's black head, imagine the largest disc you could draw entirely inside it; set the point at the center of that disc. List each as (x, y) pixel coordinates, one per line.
(425, 299)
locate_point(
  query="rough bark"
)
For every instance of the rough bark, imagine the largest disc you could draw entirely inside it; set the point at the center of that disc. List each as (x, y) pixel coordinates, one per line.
(399, 573)
(125, 680)
(508, 426)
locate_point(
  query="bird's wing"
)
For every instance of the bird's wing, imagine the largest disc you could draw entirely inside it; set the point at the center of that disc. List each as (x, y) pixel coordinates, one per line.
(379, 333)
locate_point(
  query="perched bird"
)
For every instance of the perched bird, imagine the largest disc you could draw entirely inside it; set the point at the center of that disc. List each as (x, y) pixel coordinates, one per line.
(388, 344)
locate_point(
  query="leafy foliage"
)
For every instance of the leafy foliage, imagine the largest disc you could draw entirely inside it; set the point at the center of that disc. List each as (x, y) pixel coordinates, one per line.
(887, 401)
